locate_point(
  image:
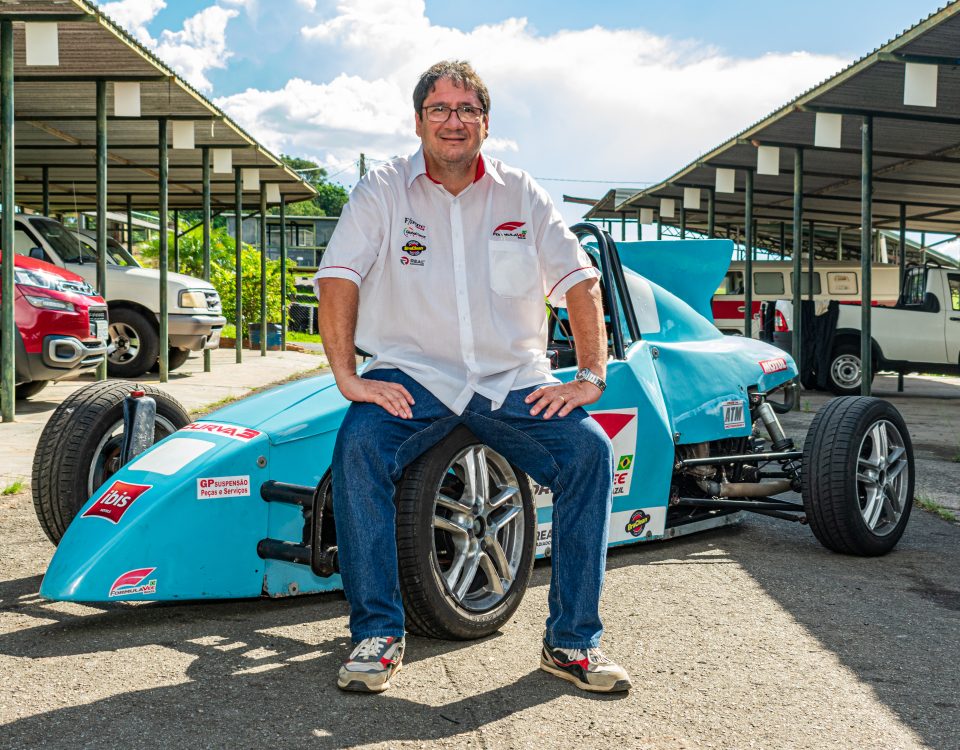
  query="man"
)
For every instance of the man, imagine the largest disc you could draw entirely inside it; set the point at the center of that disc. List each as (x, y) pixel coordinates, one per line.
(440, 265)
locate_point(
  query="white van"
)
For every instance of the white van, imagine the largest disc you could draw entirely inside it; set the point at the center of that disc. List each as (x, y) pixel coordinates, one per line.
(773, 280)
(133, 297)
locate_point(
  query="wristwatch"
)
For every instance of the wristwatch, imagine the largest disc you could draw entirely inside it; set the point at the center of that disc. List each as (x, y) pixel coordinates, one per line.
(586, 375)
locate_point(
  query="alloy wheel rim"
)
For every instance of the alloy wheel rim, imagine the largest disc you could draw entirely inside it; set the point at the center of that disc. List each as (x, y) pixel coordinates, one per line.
(883, 475)
(478, 530)
(126, 341)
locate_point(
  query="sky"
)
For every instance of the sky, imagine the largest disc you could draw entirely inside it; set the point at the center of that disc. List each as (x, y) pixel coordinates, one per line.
(584, 96)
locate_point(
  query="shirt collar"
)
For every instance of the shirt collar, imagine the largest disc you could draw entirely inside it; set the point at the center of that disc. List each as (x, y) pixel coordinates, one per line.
(418, 166)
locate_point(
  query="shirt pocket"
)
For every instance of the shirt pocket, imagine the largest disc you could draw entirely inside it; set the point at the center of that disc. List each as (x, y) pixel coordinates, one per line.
(515, 270)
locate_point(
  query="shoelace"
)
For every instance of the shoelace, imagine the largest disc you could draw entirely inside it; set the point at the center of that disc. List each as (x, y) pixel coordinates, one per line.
(593, 655)
(369, 648)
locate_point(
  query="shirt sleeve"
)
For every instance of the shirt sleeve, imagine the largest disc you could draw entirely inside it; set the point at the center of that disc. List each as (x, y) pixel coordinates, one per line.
(356, 241)
(563, 262)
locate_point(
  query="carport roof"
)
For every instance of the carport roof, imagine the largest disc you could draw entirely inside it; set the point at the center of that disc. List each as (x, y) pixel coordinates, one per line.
(916, 150)
(55, 121)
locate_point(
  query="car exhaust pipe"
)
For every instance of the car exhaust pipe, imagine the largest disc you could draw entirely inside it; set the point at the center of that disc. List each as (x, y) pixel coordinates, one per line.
(744, 489)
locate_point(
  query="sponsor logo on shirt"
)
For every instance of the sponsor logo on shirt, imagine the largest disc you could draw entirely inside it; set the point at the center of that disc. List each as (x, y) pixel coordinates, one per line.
(411, 224)
(116, 500)
(134, 582)
(410, 232)
(511, 230)
(413, 247)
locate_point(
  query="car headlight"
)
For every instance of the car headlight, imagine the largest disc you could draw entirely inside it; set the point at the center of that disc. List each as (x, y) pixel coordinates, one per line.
(46, 280)
(193, 298)
(49, 303)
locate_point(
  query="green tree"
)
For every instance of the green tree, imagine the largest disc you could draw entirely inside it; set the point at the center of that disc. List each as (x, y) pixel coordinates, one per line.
(223, 275)
(330, 197)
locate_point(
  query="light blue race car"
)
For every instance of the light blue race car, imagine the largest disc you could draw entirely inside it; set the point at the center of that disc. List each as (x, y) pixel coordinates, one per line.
(238, 503)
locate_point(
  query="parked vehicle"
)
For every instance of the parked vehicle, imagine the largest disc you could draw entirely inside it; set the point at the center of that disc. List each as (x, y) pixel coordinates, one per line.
(237, 504)
(920, 333)
(773, 280)
(133, 296)
(61, 325)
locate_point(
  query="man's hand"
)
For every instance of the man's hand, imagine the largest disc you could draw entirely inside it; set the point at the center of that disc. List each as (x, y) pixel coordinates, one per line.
(391, 396)
(562, 399)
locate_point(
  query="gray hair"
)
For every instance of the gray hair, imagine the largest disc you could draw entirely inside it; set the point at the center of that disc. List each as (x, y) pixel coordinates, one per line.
(458, 71)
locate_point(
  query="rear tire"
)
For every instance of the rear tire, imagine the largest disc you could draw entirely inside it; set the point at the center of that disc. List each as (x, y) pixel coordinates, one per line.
(175, 358)
(858, 475)
(442, 536)
(137, 344)
(79, 448)
(845, 371)
(30, 388)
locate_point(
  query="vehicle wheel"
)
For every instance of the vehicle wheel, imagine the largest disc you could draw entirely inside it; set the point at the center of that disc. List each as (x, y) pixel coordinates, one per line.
(175, 358)
(858, 475)
(466, 524)
(30, 388)
(136, 343)
(845, 370)
(80, 448)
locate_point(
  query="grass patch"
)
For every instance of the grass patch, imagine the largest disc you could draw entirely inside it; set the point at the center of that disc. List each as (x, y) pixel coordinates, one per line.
(304, 338)
(932, 506)
(13, 489)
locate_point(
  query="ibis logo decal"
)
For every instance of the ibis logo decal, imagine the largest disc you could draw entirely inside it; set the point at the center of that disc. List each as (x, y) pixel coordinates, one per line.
(511, 230)
(621, 427)
(115, 501)
(134, 582)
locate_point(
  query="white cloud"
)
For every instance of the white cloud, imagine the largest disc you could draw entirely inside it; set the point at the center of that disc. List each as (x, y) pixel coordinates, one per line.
(596, 103)
(198, 47)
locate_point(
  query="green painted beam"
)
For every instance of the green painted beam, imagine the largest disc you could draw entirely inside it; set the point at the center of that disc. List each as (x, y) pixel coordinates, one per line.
(206, 235)
(8, 326)
(101, 158)
(164, 259)
(238, 260)
(263, 269)
(866, 256)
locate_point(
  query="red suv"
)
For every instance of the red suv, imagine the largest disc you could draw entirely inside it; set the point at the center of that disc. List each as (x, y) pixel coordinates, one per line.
(61, 324)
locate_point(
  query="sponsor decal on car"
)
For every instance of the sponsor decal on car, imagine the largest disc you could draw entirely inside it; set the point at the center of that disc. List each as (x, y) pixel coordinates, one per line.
(544, 538)
(733, 415)
(511, 230)
(211, 487)
(115, 501)
(134, 582)
(637, 523)
(773, 365)
(621, 427)
(243, 434)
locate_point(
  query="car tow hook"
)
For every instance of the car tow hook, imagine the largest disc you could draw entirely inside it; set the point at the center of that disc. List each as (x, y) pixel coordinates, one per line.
(139, 425)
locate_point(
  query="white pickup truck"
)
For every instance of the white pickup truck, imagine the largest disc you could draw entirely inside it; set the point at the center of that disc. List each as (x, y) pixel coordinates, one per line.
(133, 297)
(921, 333)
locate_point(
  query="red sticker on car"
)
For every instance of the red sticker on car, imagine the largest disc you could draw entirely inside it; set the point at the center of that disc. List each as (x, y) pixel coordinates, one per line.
(116, 500)
(243, 434)
(773, 365)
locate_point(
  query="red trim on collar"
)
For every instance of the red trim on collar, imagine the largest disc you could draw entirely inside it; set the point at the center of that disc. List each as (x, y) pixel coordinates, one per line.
(481, 171)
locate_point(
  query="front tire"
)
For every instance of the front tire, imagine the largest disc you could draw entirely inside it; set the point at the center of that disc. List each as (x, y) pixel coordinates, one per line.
(79, 449)
(858, 475)
(466, 527)
(136, 344)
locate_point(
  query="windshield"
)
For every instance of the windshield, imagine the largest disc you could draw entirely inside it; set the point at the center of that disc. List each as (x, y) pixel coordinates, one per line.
(63, 242)
(117, 254)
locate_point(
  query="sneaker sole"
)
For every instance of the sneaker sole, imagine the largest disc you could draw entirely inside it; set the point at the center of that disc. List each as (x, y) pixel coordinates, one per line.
(620, 686)
(357, 685)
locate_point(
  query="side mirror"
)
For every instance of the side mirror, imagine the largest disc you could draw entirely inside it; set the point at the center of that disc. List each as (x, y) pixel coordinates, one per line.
(37, 253)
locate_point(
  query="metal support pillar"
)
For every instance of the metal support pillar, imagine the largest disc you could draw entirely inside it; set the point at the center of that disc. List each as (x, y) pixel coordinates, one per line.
(102, 202)
(164, 251)
(623, 227)
(659, 228)
(811, 235)
(748, 257)
(8, 330)
(711, 213)
(639, 228)
(176, 240)
(46, 190)
(866, 266)
(797, 253)
(129, 222)
(783, 239)
(839, 243)
(902, 260)
(263, 269)
(238, 262)
(683, 223)
(206, 234)
(283, 276)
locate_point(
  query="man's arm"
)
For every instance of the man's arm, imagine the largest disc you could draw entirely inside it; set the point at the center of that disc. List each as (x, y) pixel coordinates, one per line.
(337, 316)
(585, 310)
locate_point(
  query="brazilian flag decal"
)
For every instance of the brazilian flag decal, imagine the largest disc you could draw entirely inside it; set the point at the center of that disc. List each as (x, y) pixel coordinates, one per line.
(625, 463)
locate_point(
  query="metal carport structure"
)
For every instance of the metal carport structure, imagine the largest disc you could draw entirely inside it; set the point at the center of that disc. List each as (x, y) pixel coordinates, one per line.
(71, 139)
(848, 153)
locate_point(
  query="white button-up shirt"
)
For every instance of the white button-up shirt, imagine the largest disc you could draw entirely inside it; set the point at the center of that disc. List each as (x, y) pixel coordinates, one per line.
(452, 287)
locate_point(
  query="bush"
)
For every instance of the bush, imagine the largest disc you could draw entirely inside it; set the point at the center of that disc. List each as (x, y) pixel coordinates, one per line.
(222, 273)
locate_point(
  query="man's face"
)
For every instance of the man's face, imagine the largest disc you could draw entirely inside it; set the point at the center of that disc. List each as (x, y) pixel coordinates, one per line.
(451, 143)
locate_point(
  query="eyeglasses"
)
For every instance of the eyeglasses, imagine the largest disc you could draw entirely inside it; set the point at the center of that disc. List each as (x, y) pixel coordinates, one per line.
(441, 112)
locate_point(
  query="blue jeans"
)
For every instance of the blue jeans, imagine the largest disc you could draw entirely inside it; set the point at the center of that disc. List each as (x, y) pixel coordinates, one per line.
(570, 455)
